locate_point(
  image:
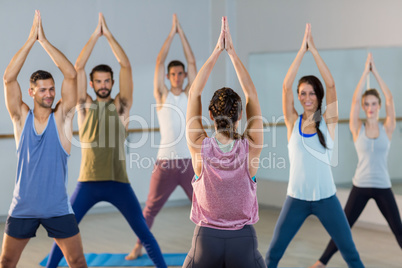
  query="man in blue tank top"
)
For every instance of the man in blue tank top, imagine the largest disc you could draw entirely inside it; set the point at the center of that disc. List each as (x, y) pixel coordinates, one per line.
(173, 166)
(43, 139)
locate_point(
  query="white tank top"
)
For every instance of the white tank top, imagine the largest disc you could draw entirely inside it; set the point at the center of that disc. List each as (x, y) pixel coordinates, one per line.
(172, 124)
(310, 175)
(372, 168)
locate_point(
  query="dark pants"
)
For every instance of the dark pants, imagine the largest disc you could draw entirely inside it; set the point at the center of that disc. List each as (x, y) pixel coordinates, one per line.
(328, 211)
(120, 195)
(357, 200)
(224, 248)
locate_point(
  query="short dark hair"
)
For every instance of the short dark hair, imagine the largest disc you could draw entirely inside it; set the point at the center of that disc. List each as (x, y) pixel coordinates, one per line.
(101, 68)
(373, 92)
(175, 63)
(39, 75)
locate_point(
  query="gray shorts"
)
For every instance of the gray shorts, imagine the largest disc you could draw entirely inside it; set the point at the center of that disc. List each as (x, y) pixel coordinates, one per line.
(57, 227)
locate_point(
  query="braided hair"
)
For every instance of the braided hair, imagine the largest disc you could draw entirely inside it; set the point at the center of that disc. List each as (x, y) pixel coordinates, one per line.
(319, 92)
(226, 108)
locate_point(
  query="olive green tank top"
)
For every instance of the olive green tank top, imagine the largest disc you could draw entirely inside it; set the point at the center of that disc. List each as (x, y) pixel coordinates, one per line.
(102, 137)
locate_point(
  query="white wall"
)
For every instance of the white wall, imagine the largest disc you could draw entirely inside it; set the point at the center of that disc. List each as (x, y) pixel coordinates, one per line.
(141, 28)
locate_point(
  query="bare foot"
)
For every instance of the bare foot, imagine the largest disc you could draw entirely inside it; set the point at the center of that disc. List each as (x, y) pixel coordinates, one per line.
(318, 264)
(135, 253)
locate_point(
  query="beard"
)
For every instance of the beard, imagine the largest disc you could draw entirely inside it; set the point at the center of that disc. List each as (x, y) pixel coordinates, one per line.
(103, 95)
(46, 104)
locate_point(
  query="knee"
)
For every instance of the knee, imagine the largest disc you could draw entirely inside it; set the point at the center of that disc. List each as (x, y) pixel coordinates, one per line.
(77, 262)
(7, 262)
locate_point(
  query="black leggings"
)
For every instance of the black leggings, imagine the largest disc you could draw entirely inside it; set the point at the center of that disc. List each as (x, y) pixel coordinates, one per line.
(224, 248)
(357, 200)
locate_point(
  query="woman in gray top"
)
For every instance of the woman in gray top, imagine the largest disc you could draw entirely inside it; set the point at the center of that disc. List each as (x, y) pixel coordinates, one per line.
(372, 142)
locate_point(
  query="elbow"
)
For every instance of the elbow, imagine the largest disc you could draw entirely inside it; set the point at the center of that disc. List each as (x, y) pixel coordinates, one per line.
(125, 64)
(7, 78)
(70, 74)
(330, 85)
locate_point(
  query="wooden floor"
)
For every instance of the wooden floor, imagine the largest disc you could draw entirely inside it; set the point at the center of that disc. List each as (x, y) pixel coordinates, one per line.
(109, 232)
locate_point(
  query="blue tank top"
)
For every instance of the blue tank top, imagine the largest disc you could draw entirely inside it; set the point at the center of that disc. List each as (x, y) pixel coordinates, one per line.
(40, 185)
(372, 168)
(310, 175)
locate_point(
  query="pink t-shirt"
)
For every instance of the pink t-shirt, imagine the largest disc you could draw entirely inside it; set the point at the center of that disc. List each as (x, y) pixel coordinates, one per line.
(225, 196)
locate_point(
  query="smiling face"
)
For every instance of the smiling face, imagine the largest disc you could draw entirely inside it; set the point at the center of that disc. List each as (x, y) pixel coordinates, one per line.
(102, 84)
(307, 97)
(371, 106)
(43, 92)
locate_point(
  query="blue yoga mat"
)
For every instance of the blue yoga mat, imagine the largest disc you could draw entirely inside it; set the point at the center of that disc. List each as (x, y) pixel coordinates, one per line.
(108, 259)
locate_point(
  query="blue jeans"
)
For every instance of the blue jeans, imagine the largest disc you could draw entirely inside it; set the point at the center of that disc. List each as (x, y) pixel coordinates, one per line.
(120, 195)
(329, 212)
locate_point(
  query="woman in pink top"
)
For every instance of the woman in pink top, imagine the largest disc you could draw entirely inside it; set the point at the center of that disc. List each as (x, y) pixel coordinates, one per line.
(224, 199)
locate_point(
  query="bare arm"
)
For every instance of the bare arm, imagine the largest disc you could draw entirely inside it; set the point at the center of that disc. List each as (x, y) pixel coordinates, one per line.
(125, 95)
(81, 63)
(69, 85)
(12, 90)
(331, 113)
(390, 119)
(160, 89)
(194, 129)
(188, 53)
(288, 107)
(253, 110)
(355, 122)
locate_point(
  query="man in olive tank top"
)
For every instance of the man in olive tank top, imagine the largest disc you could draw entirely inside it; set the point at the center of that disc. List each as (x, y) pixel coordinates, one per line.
(103, 125)
(173, 166)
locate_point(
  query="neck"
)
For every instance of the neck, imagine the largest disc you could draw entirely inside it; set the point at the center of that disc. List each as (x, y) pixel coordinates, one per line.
(308, 116)
(176, 90)
(372, 121)
(103, 99)
(41, 113)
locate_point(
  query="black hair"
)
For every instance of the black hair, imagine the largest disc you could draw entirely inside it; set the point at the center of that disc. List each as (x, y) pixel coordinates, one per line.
(39, 75)
(101, 68)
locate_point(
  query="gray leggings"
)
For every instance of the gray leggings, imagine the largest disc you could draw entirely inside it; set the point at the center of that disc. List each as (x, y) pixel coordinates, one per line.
(224, 248)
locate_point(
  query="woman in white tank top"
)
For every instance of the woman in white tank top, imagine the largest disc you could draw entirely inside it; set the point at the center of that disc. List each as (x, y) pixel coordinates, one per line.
(311, 189)
(372, 142)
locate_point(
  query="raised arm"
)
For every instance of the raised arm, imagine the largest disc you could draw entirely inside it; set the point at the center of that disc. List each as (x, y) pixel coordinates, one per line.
(69, 85)
(125, 96)
(194, 129)
(355, 122)
(160, 89)
(81, 62)
(188, 53)
(390, 120)
(331, 113)
(288, 107)
(12, 91)
(253, 110)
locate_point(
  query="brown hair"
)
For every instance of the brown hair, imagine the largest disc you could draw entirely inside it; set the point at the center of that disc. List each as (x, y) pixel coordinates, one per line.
(373, 92)
(226, 108)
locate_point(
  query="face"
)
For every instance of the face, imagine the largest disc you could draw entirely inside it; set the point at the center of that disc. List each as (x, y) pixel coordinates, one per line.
(43, 93)
(307, 97)
(102, 84)
(176, 76)
(371, 106)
